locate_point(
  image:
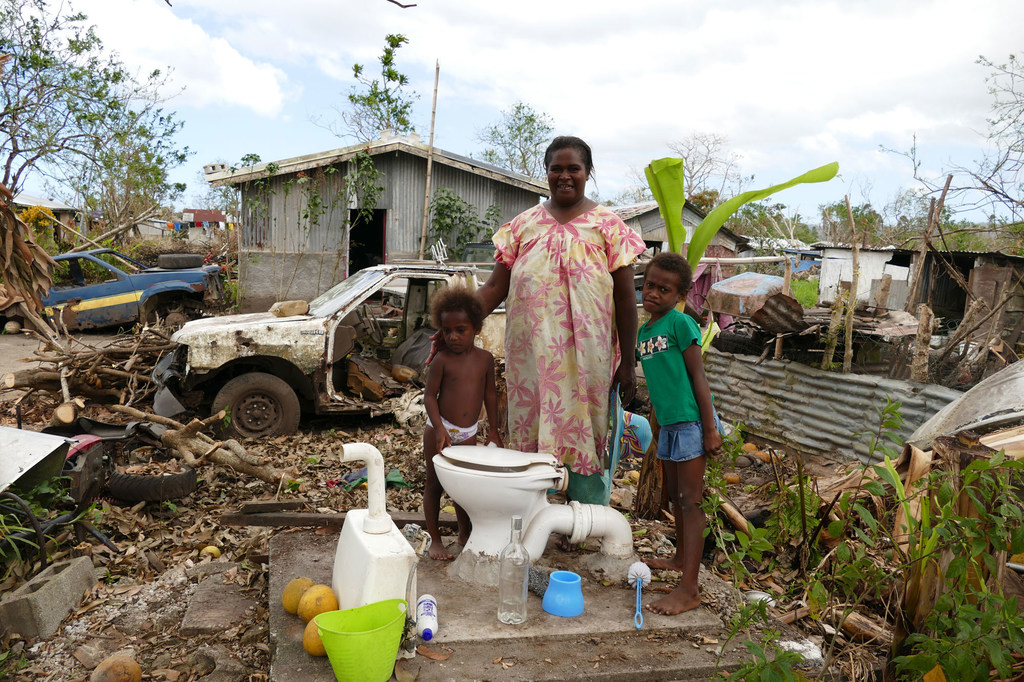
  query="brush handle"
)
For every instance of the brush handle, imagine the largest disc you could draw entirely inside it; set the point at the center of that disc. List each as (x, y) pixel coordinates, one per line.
(639, 617)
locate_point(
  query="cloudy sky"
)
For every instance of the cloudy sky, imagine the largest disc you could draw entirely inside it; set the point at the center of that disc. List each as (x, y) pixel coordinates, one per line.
(791, 85)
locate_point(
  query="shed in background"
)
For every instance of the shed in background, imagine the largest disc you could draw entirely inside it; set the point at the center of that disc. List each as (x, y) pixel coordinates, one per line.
(301, 232)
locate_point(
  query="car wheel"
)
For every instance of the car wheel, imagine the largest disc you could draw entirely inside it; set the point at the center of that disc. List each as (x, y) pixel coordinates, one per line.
(156, 488)
(258, 405)
(179, 261)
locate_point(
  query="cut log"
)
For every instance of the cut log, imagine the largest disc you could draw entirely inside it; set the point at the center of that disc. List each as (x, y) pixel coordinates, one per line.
(64, 414)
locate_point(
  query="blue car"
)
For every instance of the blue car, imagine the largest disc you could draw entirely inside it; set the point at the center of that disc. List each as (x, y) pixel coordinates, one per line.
(104, 288)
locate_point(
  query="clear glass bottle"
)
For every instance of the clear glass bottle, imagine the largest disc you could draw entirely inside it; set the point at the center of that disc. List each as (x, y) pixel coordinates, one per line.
(514, 571)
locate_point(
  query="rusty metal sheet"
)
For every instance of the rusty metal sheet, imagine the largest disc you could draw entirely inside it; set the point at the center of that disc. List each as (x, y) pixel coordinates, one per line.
(742, 295)
(998, 399)
(780, 314)
(811, 410)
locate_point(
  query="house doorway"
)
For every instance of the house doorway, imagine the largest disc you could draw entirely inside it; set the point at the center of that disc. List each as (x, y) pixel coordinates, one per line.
(366, 240)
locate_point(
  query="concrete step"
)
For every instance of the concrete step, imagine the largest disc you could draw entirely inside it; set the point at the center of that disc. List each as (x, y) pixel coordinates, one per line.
(603, 643)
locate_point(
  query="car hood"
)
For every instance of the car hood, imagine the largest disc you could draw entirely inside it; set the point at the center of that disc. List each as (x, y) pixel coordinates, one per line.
(215, 341)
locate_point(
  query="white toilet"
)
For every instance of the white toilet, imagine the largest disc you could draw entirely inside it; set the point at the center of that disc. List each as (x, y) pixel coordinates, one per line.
(492, 484)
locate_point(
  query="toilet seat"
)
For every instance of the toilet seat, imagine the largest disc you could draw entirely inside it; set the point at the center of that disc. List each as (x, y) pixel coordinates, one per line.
(494, 459)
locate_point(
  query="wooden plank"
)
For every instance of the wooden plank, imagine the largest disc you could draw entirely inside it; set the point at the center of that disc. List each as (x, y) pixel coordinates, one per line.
(262, 506)
(300, 519)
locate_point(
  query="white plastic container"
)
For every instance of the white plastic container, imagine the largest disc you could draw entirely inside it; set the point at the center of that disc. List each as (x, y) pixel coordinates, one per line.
(373, 559)
(426, 617)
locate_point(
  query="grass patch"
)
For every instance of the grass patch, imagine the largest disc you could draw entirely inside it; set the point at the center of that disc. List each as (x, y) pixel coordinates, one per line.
(805, 291)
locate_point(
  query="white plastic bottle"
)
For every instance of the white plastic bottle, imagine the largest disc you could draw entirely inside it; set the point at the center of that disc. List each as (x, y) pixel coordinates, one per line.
(426, 617)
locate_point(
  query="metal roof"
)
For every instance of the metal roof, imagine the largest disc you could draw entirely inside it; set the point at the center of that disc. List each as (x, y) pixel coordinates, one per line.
(409, 145)
(22, 199)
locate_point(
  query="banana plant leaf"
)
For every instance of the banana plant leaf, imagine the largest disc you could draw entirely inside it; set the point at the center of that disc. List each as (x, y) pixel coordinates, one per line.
(665, 178)
(714, 220)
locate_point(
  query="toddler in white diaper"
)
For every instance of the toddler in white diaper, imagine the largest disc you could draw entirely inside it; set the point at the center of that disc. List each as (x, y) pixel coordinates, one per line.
(460, 381)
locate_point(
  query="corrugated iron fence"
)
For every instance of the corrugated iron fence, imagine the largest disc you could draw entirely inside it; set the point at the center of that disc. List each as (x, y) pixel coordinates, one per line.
(813, 411)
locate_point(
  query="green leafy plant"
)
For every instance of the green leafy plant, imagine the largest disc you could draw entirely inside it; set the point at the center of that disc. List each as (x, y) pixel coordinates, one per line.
(457, 222)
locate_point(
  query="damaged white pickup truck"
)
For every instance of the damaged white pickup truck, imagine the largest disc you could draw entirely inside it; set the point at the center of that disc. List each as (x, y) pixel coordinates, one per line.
(340, 357)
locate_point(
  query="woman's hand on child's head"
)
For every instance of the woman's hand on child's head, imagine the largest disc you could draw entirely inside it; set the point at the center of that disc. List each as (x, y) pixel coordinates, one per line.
(437, 344)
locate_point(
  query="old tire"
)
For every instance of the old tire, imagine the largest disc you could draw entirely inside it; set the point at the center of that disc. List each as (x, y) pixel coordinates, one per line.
(179, 261)
(136, 488)
(258, 405)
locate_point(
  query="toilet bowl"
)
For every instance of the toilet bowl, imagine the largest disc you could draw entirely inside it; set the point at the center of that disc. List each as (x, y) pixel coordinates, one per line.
(492, 484)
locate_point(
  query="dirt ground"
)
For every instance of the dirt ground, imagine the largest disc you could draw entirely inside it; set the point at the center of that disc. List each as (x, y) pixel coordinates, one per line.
(146, 585)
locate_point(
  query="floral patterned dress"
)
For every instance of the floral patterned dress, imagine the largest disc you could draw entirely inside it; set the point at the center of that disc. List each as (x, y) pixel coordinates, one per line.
(561, 348)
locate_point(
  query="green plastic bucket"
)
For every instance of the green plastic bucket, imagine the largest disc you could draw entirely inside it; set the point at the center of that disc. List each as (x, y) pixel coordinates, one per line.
(362, 643)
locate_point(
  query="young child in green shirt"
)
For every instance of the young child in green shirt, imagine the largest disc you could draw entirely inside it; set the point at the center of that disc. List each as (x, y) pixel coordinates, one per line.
(670, 352)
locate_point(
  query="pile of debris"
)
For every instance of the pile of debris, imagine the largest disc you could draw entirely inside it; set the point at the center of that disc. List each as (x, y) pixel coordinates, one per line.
(72, 371)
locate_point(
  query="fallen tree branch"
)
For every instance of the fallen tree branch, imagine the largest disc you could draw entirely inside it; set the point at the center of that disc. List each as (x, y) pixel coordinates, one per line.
(189, 444)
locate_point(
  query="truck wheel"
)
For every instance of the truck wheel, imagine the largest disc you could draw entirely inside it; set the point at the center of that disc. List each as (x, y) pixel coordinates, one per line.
(258, 405)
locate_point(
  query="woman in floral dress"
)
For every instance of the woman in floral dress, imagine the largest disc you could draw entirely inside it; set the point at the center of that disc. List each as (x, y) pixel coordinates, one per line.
(564, 270)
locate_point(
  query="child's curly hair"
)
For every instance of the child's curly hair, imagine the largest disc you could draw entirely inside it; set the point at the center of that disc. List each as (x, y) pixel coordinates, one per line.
(673, 262)
(456, 298)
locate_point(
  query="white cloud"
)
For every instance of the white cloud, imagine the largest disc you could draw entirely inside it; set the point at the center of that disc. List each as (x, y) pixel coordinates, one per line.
(149, 35)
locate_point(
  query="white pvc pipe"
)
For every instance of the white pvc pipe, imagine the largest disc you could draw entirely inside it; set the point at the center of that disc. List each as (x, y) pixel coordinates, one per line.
(579, 522)
(378, 521)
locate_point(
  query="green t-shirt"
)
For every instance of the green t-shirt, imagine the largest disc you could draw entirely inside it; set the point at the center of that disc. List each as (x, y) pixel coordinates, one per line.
(661, 347)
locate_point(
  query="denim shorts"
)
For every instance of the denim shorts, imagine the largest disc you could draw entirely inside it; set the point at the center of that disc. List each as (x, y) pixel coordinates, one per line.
(683, 441)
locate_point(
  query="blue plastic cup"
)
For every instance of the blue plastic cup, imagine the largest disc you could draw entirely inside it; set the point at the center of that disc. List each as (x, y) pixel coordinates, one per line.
(564, 596)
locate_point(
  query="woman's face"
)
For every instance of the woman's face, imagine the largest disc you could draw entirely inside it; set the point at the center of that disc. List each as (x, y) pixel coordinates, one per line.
(567, 176)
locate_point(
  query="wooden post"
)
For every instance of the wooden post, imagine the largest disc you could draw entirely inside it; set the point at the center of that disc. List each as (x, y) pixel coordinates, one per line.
(787, 289)
(919, 364)
(882, 296)
(851, 302)
(430, 162)
(648, 501)
(934, 218)
(833, 329)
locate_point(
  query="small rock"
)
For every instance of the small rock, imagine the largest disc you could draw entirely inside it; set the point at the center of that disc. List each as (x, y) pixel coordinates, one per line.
(289, 308)
(742, 462)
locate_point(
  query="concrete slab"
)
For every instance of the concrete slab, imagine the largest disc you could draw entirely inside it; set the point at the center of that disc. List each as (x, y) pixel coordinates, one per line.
(216, 605)
(603, 643)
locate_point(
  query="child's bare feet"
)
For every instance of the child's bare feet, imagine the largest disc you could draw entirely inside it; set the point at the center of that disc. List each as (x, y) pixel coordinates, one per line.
(673, 564)
(438, 552)
(677, 601)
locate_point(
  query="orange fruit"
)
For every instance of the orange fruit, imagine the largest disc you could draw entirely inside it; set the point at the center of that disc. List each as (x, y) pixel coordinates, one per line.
(293, 591)
(316, 600)
(311, 640)
(117, 668)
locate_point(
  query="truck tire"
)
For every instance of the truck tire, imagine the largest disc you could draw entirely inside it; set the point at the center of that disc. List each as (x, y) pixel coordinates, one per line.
(258, 405)
(179, 261)
(139, 488)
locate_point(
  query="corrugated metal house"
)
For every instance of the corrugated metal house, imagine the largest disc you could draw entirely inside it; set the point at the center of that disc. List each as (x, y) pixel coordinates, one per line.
(988, 276)
(296, 212)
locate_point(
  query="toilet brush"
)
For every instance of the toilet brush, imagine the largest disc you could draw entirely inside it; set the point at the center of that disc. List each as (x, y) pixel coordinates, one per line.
(639, 576)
